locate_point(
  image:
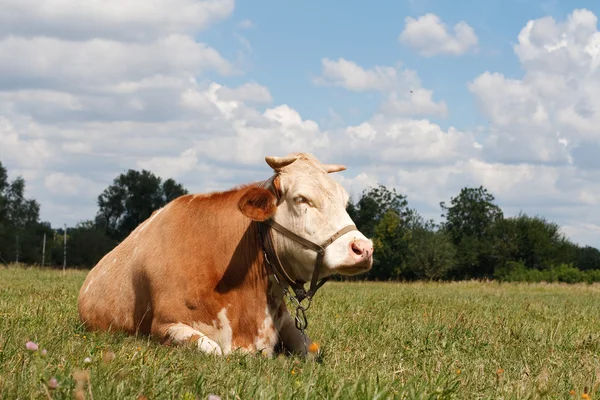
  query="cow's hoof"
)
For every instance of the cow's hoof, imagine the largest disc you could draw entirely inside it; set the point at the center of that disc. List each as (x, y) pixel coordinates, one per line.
(209, 346)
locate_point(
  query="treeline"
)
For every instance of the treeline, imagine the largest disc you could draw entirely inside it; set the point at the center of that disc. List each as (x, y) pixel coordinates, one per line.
(474, 240)
(131, 199)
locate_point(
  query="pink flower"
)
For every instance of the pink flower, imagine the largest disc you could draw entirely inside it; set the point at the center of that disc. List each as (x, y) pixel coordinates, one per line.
(31, 346)
(52, 383)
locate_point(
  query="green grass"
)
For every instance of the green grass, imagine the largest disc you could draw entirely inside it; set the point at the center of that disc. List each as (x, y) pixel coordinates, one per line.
(381, 340)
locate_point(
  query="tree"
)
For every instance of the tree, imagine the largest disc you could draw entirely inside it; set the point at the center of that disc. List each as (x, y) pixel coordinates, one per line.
(390, 242)
(88, 244)
(21, 211)
(3, 185)
(19, 221)
(535, 242)
(3, 214)
(384, 216)
(469, 222)
(431, 253)
(131, 199)
(587, 258)
(373, 205)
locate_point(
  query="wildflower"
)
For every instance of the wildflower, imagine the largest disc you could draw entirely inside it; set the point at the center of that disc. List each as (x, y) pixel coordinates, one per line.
(31, 346)
(313, 347)
(458, 372)
(293, 372)
(44, 353)
(81, 376)
(572, 392)
(87, 360)
(108, 356)
(213, 397)
(499, 371)
(585, 396)
(52, 384)
(81, 379)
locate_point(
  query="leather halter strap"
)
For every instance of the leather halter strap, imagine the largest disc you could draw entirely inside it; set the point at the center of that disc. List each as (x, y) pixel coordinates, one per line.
(298, 287)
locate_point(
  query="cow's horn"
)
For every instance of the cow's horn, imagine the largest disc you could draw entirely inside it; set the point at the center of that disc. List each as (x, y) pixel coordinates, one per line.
(335, 167)
(279, 162)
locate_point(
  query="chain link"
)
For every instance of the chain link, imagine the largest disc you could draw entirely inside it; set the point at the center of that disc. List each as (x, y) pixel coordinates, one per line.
(300, 319)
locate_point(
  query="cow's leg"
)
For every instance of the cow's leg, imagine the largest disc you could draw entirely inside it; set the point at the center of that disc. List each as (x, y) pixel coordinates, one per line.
(291, 337)
(181, 333)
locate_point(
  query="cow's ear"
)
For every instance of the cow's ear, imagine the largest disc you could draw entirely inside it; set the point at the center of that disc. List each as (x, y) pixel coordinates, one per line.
(258, 204)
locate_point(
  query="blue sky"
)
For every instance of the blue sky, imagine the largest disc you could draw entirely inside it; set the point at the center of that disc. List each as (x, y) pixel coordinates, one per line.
(505, 94)
(294, 37)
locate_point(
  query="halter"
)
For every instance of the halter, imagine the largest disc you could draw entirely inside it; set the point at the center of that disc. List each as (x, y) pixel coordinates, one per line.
(300, 293)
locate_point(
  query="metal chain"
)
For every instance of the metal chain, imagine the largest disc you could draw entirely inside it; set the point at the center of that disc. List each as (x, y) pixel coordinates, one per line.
(300, 318)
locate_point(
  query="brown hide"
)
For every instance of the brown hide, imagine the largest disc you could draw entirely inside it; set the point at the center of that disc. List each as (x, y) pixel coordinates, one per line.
(183, 265)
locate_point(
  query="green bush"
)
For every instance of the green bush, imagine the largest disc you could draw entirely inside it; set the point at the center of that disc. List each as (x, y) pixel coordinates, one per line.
(516, 271)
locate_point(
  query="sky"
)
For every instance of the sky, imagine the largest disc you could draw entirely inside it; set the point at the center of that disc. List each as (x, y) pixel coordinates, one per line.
(425, 96)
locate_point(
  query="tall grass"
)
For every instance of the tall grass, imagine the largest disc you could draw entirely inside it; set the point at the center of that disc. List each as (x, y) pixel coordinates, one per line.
(380, 340)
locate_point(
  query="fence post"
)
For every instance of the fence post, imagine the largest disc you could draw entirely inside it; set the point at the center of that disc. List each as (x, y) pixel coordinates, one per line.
(44, 250)
(65, 251)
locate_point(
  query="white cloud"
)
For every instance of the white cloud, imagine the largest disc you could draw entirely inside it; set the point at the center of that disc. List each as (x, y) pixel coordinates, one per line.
(127, 20)
(586, 233)
(416, 102)
(555, 108)
(70, 185)
(250, 92)
(403, 141)
(430, 36)
(18, 149)
(172, 167)
(77, 147)
(41, 61)
(246, 24)
(249, 136)
(405, 96)
(349, 75)
(134, 94)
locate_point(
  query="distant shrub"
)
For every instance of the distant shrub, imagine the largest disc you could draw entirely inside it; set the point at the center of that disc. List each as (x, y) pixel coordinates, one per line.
(516, 271)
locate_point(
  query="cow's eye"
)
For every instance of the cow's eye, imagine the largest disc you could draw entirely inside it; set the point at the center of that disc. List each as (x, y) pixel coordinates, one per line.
(300, 199)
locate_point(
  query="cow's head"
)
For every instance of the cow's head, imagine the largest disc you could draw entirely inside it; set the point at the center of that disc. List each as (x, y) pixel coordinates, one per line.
(312, 205)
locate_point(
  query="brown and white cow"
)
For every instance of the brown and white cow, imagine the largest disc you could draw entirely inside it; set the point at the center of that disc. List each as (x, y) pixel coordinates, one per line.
(196, 269)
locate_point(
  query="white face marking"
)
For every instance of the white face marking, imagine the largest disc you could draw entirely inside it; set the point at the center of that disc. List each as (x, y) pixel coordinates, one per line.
(314, 206)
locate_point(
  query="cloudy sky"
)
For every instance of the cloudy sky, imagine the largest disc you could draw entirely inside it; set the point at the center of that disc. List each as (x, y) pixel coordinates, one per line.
(425, 96)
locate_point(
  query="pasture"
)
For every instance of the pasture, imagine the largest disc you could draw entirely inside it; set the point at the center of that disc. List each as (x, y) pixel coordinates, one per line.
(380, 340)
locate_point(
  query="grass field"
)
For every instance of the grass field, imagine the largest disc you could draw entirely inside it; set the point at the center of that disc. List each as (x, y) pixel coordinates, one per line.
(466, 340)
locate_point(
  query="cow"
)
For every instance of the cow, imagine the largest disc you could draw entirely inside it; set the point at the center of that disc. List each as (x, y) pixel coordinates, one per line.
(212, 269)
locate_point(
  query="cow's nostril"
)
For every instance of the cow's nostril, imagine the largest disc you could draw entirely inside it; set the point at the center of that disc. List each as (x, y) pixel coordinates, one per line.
(357, 249)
